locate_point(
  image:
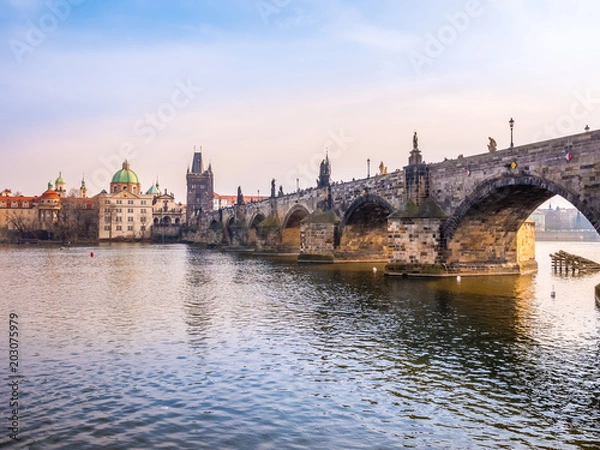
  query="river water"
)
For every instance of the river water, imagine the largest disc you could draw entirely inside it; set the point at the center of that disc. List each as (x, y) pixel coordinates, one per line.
(171, 346)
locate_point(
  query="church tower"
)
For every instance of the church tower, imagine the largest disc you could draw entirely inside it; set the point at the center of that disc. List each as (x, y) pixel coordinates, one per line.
(60, 186)
(83, 189)
(200, 187)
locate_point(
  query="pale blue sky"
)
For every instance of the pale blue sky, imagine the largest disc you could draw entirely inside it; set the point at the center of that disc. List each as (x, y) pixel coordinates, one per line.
(264, 86)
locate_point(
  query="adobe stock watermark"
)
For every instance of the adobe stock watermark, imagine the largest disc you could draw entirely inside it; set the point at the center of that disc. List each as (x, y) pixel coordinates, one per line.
(147, 128)
(305, 174)
(284, 15)
(37, 31)
(437, 43)
(570, 122)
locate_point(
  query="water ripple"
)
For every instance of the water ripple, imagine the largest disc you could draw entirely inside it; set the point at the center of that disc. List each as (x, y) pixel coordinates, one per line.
(176, 347)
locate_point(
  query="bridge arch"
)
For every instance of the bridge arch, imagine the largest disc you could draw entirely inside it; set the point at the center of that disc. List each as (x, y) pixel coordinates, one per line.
(290, 228)
(257, 218)
(228, 231)
(363, 230)
(484, 227)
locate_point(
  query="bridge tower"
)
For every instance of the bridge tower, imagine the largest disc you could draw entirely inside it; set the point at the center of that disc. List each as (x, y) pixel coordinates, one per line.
(200, 187)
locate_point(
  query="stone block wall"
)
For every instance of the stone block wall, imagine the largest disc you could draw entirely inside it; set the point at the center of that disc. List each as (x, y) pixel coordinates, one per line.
(317, 240)
(415, 240)
(526, 245)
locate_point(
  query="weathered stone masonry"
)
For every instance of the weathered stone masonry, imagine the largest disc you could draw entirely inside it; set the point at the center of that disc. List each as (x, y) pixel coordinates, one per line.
(461, 216)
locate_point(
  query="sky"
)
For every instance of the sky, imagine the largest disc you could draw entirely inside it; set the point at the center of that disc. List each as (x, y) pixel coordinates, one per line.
(267, 87)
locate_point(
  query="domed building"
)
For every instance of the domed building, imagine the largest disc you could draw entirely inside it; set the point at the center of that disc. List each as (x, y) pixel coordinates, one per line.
(125, 211)
(60, 186)
(48, 205)
(126, 180)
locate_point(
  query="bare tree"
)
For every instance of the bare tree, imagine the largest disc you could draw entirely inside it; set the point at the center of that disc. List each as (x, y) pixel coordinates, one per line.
(23, 225)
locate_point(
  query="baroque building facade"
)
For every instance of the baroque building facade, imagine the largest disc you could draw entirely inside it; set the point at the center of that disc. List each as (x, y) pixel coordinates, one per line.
(125, 212)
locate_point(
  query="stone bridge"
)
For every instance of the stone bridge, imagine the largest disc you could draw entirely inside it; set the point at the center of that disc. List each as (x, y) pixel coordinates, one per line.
(460, 216)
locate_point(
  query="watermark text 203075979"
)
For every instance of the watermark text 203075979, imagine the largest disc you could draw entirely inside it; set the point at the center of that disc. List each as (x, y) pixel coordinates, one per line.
(13, 378)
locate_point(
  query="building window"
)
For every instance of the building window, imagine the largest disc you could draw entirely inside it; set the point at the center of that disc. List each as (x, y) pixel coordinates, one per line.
(130, 202)
(107, 219)
(130, 219)
(107, 202)
(143, 228)
(119, 228)
(25, 204)
(130, 228)
(119, 219)
(130, 210)
(14, 204)
(119, 202)
(143, 202)
(107, 228)
(143, 211)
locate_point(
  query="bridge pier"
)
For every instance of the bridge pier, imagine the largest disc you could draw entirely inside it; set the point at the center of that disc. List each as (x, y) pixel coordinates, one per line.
(268, 235)
(318, 236)
(416, 240)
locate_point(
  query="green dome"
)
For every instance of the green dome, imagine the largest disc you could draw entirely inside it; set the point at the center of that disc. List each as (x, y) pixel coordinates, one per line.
(125, 175)
(59, 180)
(153, 190)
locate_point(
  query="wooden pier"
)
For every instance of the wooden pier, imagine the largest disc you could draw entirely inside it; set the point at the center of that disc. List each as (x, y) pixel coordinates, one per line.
(563, 262)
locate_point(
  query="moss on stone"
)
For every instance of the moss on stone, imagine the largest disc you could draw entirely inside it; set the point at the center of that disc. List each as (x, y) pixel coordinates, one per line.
(426, 210)
(270, 222)
(320, 216)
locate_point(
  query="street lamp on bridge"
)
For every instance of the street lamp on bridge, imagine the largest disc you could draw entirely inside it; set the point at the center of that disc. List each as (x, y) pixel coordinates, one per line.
(511, 123)
(368, 167)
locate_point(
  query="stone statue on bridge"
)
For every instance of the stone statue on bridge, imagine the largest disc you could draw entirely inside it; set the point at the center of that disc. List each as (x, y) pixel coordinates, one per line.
(324, 173)
(273, 188)
(492, 145)
(240, 196)
(415, 154)
(280, 193)
(383, 170)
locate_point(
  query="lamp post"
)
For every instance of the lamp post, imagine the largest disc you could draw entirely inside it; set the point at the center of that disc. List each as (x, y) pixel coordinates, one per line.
(368, 167)
(511, 123)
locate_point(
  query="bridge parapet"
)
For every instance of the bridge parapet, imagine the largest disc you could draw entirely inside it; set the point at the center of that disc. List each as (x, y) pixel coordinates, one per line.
(480, 206)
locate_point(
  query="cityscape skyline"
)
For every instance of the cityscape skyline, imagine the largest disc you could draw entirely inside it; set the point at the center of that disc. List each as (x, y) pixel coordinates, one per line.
(266, 87)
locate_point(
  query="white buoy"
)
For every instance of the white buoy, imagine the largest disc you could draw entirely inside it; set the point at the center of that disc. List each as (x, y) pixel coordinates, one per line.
(374, 269)
(458, 278)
